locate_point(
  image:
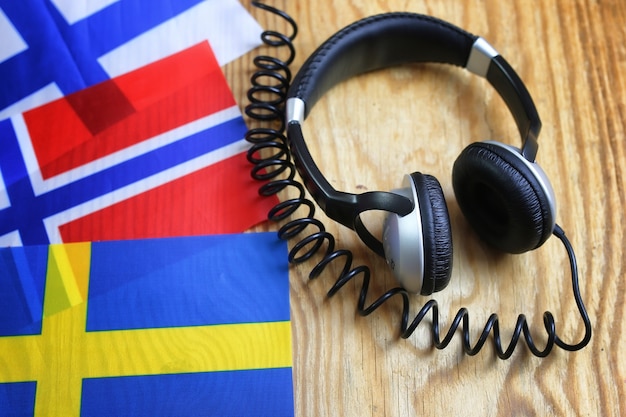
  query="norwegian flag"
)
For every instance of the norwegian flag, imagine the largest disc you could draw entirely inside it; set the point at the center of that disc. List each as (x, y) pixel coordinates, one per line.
(52, 48)
(156, 152)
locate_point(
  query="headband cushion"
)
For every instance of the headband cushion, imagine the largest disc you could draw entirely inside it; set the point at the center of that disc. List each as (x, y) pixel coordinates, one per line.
(378, 42)
(436, 232)
(501, 198)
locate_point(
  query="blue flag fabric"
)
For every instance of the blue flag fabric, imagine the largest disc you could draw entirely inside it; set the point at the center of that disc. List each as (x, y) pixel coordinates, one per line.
(72, 50)
(53, 48)
(178, 326)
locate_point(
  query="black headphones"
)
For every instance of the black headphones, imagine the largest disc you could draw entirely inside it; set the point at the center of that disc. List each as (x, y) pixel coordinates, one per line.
(502, 192)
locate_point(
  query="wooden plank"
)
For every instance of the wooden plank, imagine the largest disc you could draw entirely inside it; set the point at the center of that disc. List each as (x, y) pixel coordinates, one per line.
(371, 130)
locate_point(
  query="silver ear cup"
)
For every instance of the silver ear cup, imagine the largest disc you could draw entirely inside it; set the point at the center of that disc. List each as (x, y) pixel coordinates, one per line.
(403, 242)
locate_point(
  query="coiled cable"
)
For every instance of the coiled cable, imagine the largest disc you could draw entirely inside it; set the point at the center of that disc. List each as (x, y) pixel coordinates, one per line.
(267, 96)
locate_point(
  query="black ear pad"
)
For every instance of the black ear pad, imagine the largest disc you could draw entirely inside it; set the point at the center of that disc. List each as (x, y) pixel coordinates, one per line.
(436, 233)
(502, 198)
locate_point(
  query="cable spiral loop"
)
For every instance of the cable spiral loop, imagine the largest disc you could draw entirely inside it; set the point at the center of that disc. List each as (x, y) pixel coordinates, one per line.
(267, 98)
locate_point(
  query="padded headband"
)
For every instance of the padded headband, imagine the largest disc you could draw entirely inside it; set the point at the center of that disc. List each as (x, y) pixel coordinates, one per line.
(379, 42)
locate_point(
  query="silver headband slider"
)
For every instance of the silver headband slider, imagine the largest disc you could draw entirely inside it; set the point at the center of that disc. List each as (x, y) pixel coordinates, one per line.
(294, 110)
(480, 57)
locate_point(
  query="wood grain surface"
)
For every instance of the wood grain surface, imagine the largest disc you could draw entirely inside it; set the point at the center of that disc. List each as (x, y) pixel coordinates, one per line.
(370, 131)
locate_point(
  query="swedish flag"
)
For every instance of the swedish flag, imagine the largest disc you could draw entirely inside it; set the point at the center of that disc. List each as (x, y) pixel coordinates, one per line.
(178, 326)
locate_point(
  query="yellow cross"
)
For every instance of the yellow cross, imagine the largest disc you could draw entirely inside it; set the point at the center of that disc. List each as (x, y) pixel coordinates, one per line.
(64, 354)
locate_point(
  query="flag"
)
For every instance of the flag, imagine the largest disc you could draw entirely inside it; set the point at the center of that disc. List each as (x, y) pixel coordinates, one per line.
(52, 48)
(175, 326)
(155, 152)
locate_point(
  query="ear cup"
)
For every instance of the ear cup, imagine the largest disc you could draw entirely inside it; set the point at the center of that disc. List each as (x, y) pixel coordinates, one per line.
(418, 246)
(503, 197)
(436, 233)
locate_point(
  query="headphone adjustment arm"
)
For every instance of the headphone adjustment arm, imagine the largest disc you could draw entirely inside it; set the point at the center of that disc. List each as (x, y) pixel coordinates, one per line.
(347, 209)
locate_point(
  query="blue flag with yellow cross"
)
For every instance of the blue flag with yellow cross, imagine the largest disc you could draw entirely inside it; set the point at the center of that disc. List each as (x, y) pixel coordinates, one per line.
(156, 327)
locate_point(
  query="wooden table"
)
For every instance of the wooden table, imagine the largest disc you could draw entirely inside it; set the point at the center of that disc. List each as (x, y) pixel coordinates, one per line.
(370, 131)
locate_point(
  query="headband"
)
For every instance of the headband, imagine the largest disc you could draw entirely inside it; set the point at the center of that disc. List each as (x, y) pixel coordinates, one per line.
(384, 41)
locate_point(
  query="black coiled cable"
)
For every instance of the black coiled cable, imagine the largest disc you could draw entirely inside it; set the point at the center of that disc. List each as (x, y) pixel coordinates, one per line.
(267, 97)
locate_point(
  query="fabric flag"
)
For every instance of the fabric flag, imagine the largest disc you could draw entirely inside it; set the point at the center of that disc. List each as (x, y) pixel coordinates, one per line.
(158, 327)
(157, 152)
(52, 48)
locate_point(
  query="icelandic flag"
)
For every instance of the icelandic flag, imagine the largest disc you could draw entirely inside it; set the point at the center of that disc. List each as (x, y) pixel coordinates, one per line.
(158, 327)
(52, 48)
(156, 152)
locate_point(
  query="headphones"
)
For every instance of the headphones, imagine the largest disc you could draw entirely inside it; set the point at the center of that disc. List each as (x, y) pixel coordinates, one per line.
(503, 193)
